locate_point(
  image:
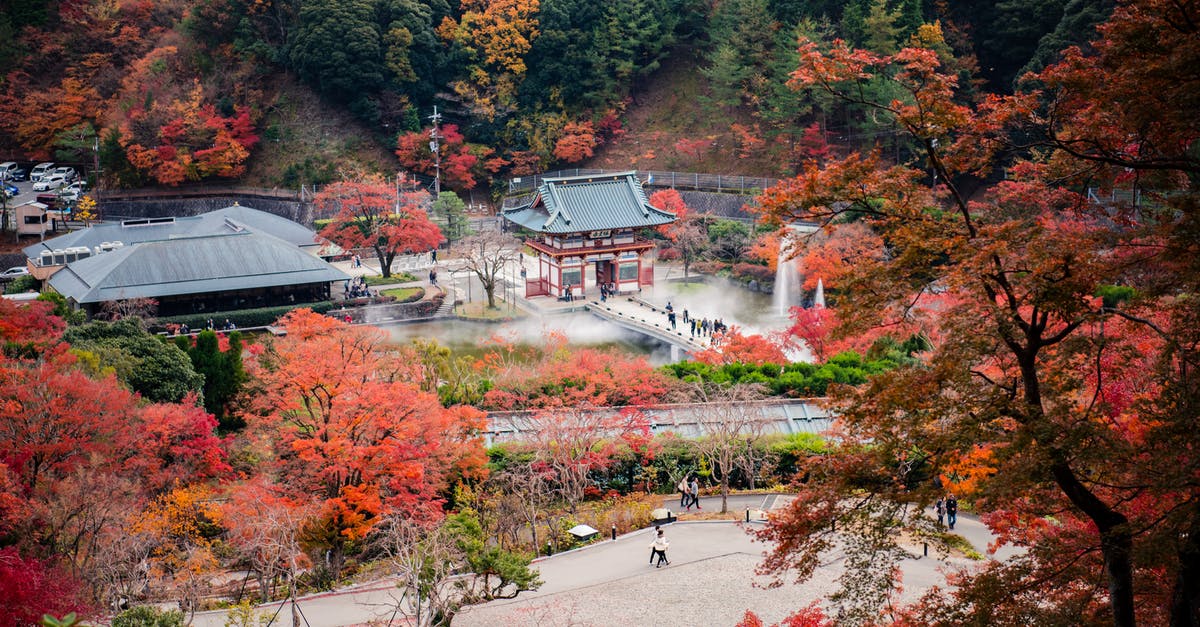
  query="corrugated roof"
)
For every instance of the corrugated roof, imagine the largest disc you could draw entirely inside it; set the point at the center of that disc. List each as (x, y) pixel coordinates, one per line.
(578, 204)
(191, 265)
(231, 219)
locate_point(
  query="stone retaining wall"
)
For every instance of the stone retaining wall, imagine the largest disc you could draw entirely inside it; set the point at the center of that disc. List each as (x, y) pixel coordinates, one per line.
(293, 210)
(390, 312)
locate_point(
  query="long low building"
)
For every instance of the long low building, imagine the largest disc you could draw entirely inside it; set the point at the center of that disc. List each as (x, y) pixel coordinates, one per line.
(233, 258)
(690, 420)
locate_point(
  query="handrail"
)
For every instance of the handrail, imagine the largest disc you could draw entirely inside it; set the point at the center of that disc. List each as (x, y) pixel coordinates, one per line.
(662, 333)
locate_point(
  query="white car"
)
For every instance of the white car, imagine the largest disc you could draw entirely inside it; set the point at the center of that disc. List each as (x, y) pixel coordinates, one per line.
(65, 172)
(48, 183)
(73, 191)
(40, 170)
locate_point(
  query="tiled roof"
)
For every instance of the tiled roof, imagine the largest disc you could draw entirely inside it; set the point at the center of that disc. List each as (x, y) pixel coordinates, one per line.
(191, 265)
(589, 203)
(231, 219)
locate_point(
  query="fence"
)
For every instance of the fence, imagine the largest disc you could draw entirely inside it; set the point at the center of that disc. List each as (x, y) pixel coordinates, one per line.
(725, 183)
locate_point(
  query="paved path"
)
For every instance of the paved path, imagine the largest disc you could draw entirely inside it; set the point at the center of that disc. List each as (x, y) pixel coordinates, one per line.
(710, 581)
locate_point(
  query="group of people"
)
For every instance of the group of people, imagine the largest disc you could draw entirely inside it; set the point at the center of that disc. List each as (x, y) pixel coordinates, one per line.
(702, 327)
(433, 276)
(211, 326)
(689, 492)
(356, 287)
(606, 290)
(947, 508)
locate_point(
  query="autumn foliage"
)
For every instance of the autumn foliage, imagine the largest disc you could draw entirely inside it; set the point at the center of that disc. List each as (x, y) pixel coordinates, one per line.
(371, 213)
(353, 430)
(1047, 404)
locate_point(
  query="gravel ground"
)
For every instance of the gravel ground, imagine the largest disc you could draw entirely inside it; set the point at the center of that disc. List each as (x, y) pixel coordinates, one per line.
(715, 591)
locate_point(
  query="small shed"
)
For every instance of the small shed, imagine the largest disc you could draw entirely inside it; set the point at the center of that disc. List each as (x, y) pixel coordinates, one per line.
(33, 218)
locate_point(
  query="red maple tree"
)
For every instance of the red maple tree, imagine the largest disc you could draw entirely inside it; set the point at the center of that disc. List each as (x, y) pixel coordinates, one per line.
(371, 213)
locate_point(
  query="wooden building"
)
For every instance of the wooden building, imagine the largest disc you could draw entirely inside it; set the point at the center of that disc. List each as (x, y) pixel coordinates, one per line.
(585, 233)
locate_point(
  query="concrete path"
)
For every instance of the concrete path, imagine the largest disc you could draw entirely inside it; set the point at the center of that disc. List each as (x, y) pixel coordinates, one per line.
(711, 581)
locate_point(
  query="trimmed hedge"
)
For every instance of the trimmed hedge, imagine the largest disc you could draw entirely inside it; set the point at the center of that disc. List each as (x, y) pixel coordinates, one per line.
(261, 317)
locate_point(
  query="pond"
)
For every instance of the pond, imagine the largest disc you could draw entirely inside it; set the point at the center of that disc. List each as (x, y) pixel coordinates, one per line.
(465, 337)
(735, 305)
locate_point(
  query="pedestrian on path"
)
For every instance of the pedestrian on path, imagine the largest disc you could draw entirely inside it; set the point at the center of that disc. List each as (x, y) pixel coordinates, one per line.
(685, 495)
(940, 508)
(654, 551)
(660, 546)
(433, 278)
(357, 261)
(951, 511)
(694, 490)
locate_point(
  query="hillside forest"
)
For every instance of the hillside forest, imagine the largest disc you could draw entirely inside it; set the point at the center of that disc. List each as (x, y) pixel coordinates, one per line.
(1008, 229)
(290, 92)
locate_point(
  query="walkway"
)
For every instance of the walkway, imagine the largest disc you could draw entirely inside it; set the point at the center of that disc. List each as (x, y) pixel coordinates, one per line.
(710, 581)
(638, 315)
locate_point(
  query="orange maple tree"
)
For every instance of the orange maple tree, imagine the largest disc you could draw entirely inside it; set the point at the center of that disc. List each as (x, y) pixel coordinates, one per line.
(734, 347)
(348, 426)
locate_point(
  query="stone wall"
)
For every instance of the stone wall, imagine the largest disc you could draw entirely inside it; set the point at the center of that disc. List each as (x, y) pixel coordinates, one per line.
(390, 312)
(182, 207)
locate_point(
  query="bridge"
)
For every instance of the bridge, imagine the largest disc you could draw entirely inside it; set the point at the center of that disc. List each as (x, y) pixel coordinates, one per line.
(649, 320)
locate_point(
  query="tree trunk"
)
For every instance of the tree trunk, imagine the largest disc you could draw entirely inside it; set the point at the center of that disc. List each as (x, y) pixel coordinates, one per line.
(724, 491)
(385, 261)
(1116, 542)
(1185, 598)
(490, 288)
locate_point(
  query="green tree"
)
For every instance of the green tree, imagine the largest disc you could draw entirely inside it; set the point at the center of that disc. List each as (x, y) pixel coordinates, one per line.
(450, 215)
(882, 28)
(62, 309)
(160, 372)
(75, 144)
(744, 34)
(223, 374)
(338, 48)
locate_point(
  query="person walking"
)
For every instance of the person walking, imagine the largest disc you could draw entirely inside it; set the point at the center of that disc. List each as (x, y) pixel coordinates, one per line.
(951, 511)
(654, 551)
(433, 278)
(685, 495)
(660, 546)
(694, 490)
(940, 508)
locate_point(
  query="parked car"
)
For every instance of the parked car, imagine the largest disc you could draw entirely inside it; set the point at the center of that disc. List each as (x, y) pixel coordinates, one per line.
(17, 174)
(40, 170)
(66, 172)
(14, 272)
(47, 183)
(6, 168)
(9, 190)
(73, 191)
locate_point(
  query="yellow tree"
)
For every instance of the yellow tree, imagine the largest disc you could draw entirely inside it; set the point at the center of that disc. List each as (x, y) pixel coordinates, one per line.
(85, 210)
(495, 35)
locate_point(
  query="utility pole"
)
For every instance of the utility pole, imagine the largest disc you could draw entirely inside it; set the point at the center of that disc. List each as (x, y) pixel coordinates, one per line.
(435, 135)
